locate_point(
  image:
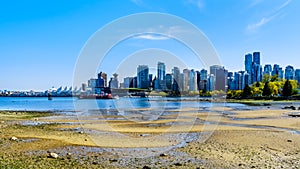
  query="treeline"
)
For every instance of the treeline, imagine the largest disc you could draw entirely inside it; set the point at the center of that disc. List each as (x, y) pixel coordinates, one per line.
(270, 87)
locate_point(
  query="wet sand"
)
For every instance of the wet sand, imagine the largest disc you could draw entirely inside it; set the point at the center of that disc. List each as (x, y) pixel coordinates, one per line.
(220, 137)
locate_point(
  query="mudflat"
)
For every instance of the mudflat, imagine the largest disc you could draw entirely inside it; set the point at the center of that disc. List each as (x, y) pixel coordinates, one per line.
(264, 137)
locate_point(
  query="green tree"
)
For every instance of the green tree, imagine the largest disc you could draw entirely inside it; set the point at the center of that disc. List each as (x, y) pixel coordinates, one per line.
(247, 91)
(287, 89)
(267, 90)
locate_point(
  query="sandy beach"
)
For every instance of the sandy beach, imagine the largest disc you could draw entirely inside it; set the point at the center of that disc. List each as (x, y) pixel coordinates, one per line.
(219, 137)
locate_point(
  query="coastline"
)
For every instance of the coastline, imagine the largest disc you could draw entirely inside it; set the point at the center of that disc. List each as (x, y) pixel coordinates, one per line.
(260, 137)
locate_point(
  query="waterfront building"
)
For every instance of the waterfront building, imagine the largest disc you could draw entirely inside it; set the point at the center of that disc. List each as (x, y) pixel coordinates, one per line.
(176, 74)
(100, 80)
(143, 77)
(211, 82)
(248, 63)
(289, 73)
(128, 82)
(186, 82)
(256, 74)
(256, 57)
(192, 80)
(277, 70)
(169, 80)
(114, 83)
(230, 81)
(268, 70)
(92, 84)
(297, 75)
(220, 75)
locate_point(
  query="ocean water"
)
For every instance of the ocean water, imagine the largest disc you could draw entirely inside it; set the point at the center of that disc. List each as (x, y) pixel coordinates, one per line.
(72, 104)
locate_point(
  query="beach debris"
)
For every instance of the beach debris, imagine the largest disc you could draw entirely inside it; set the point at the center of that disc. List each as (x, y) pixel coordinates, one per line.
(163, 155)
(289, 141)
(294, 114)
(289, 107)
(81, 132)
(14, 139)
(2, 122)
(178, 164)
(113, 160)
(146, 167)
(53, 155)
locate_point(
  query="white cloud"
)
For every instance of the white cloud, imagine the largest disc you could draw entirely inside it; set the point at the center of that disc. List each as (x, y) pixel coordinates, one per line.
(152, 37)
(255, 2)
(198, 3)
(137, 2)
(254, 27)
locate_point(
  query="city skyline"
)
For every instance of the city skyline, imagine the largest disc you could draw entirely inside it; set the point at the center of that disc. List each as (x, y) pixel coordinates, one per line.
(40, 42)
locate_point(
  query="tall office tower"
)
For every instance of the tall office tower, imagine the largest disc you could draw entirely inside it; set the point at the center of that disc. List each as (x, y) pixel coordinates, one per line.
(186, 83)
(128, 82)
(220, 74)
(289, 73)
(161, 76)
(211, 81)
(256, 57)
(92, 84)
(161, 71)
(169, 79)
(203, 80)
(277, 70)
(100, 80)
(243, 80)
(237, 81)
(176, 75)
(297, 75)
(192, 80)
(256, 74)
(104, 76)
(143, 77)
(197, 80)
(151, 80)
(181, 82)
(230, 81)
(268, 69)
(247, 79)
(114, 82)
(248, 63)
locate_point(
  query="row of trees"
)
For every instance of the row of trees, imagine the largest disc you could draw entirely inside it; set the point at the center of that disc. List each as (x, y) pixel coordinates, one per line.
(271, 86)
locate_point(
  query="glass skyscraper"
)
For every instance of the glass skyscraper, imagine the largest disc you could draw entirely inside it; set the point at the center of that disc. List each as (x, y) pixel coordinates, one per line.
(143, 76)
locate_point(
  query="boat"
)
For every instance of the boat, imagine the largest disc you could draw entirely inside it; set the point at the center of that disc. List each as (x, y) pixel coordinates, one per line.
(96, 96)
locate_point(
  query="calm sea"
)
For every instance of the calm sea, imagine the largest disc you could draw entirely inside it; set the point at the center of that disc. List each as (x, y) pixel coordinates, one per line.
(67, 103)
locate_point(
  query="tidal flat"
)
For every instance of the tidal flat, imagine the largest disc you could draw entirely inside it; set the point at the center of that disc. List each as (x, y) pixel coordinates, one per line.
(217, 137)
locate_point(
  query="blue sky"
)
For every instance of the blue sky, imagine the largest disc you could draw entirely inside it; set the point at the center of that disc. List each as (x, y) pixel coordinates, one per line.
(41, 40)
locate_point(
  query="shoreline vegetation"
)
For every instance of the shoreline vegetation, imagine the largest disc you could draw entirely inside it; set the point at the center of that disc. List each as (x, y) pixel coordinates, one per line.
(253, 137)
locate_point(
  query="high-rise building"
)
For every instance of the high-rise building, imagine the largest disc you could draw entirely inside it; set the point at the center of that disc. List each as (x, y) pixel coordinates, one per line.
(192, 80)
(289, 73)
(256, 57)
(161, 71)
(104, 76)
(169, 79)
(203, 80)
(211, 81)
(220, 74)
(297, 75)
(277, 70)
(186, 82)
(114, 83)
(100, 80)
(128, 82)
(268, 69)
(176, 75)
(230, 81)
(143, 77)
(248, 63)
(256, 73)
(92, 84)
